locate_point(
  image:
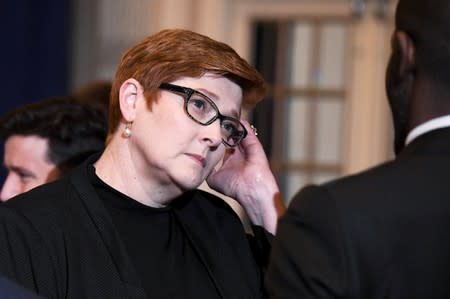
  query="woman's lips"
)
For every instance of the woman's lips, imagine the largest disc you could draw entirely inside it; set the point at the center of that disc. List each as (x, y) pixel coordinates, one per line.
(198, 158)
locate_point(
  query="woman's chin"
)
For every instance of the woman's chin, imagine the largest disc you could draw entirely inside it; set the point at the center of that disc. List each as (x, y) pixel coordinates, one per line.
(191, 183)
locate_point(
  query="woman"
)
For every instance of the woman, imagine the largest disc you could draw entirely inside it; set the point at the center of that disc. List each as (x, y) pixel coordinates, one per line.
(131, 223)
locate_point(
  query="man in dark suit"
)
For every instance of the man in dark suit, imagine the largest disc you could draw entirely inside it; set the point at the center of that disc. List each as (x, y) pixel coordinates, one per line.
(44, 140)
(10, 290)
(385, 232)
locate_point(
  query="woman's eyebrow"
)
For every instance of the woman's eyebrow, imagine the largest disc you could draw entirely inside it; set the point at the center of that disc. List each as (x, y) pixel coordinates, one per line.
(215, 97)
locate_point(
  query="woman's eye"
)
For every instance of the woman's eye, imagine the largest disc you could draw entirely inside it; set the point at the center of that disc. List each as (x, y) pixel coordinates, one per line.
(199, 103)
(230, 128)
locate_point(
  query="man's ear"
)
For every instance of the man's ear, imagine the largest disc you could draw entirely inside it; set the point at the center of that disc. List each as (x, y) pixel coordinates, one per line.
(129, 92)
(407, 52)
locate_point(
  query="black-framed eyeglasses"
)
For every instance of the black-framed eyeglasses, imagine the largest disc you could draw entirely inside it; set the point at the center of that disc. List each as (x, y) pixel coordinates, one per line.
(204, 111)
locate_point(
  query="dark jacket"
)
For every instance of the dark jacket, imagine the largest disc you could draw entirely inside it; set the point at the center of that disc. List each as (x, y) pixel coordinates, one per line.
(59, 241)
(383, 233)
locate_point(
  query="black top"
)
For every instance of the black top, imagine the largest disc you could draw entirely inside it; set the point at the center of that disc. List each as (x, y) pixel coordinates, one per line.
(158, 247)
(66, 240)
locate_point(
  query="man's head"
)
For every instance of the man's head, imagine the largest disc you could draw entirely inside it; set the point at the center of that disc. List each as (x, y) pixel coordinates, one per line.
(417, 79)
(43, 140)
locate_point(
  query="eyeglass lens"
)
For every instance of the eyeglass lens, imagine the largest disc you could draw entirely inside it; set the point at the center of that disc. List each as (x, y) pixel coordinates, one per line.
(202, 110)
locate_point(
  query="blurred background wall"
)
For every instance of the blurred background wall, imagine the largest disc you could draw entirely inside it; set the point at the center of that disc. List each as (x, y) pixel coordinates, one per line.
(326, 114)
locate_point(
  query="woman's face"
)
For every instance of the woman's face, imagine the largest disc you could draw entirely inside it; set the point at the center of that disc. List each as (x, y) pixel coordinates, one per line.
(172, 148)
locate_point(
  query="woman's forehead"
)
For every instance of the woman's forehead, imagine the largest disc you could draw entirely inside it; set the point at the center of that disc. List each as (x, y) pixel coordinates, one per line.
(226, 94)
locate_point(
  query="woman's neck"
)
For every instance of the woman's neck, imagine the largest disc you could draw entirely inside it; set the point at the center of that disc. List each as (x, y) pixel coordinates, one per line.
(120, 170)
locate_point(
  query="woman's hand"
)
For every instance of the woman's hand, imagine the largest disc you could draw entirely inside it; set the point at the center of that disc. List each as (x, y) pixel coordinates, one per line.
(245, 175)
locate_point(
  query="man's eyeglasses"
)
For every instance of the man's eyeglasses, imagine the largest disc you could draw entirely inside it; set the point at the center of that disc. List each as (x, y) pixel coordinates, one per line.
(203, 111)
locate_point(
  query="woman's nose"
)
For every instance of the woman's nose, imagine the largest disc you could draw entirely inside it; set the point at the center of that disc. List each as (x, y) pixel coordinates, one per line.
(212, 134)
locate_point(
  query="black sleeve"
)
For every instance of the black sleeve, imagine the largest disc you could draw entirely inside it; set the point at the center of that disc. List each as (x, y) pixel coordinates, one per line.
(23, 254)
(307, 258)
(260, 243)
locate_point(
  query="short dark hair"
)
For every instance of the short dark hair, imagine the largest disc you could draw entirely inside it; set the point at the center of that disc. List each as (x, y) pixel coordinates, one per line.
(73, 130)
(427, 22)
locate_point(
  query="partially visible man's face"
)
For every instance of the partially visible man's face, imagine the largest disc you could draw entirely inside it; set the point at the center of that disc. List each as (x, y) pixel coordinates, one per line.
(25, 158)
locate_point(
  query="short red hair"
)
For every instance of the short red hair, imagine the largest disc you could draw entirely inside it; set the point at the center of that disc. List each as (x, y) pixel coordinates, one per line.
(175, 53)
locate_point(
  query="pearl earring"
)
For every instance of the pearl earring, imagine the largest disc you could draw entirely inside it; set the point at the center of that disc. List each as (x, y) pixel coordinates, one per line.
(127, 131)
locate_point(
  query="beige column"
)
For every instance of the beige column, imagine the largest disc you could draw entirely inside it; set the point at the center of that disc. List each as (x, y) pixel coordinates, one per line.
(368, 125)
(174, 14)
(212, 19)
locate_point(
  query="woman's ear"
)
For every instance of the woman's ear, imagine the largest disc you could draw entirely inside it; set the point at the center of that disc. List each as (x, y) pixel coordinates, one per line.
(407, 53)
(129, 92)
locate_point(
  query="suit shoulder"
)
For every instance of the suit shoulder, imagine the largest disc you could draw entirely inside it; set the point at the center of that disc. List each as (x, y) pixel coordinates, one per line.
(42, 196)
(353, 190)
(44, 205)
(380, 170)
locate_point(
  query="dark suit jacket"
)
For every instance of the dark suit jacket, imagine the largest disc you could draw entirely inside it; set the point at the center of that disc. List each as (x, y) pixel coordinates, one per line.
(383, 233)
(10, 290)
(59, 240)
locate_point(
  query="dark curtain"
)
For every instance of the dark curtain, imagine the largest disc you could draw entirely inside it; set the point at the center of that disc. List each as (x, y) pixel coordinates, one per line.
(33, 51)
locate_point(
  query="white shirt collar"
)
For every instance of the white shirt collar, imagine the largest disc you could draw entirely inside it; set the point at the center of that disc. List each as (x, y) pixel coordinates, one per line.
(433, 124)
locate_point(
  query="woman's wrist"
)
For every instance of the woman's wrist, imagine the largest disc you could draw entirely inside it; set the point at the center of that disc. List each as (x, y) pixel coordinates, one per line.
(264, 207)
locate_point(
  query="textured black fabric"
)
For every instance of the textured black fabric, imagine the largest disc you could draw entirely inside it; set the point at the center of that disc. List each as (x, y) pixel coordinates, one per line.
(60, 241)
(163, 256)
(383, 233)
